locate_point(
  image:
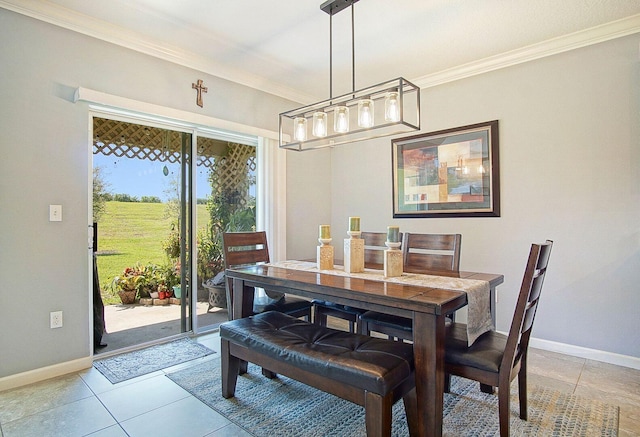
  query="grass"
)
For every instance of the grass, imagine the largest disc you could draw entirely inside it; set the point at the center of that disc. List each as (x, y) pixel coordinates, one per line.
(131, 232)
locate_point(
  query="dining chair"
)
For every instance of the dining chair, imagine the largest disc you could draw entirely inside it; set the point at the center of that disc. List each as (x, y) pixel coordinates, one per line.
(248, 248)
(374, 246)
(496, 359)
(422, 253)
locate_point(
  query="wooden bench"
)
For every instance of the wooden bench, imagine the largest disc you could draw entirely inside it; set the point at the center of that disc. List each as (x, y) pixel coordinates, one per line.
(371, 372)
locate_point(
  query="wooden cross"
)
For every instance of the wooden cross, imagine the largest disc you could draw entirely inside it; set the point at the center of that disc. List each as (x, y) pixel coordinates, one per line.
(201, 89)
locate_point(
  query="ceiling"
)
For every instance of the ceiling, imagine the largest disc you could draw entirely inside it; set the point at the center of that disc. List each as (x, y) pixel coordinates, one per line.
(283, 47)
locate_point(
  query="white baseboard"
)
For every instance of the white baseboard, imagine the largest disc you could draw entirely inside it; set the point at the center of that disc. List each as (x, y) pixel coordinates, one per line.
(37, 375)
(583, 352)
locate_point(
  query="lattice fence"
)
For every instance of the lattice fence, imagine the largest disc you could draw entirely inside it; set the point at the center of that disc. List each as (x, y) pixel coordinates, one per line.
(130, 140)
(232, 174)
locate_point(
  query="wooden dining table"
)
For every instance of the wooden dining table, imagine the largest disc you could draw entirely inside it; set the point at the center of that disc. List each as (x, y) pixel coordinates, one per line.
(425, 305)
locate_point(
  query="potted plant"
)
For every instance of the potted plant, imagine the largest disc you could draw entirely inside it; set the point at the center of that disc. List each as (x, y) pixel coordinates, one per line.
(169, 277)
(128, 284)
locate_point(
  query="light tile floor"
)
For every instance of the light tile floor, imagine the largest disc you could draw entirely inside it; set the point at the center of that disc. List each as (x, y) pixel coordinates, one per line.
(86, 403)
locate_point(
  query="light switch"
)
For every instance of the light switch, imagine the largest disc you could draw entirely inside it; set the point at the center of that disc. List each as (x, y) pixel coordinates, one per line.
(55, 213)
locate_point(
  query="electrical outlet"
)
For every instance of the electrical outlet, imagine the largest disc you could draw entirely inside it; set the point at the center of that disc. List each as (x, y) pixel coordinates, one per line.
(56, 319)
(55, 213)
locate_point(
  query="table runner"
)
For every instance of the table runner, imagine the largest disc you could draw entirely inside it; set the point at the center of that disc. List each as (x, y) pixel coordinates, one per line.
(478, 296)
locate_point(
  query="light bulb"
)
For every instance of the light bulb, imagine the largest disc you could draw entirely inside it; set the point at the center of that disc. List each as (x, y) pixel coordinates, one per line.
(365, 113)
(341, 119)
(392, 107)
(300, 128)
(319, 124)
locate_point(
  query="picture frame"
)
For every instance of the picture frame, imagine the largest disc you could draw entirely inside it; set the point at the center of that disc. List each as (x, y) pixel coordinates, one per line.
(447, 173)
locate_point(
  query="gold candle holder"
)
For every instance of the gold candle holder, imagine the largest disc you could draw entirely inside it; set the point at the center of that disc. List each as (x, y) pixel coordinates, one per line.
(393, 265)
(324, 254)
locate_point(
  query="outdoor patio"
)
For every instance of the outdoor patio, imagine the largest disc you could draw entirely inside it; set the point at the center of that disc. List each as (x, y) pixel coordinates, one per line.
(130, 325)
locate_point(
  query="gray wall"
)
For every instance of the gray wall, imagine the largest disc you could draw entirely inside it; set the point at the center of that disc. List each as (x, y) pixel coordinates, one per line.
(569, 161)
(45, 159)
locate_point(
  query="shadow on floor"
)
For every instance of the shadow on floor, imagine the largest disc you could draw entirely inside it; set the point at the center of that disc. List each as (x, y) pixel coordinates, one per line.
(130, 325)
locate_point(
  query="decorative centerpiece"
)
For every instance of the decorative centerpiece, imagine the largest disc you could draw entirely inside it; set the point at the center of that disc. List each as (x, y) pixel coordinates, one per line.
(325, 250)
(354, 248)
(393, 255)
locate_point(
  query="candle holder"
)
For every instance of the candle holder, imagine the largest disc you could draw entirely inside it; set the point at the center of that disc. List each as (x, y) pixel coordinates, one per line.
(393, 260)
(324, 254)
(354, 253)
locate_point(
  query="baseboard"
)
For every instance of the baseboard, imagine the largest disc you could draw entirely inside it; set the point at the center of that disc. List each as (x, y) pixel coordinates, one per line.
(37, 375)
(583, 352)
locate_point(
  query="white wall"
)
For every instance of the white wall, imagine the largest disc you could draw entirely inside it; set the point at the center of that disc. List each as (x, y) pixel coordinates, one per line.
(45, 159)
(569, 163)
(569, 157)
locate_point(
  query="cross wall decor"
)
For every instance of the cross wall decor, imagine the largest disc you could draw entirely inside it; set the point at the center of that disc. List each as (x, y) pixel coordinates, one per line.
(201, 89)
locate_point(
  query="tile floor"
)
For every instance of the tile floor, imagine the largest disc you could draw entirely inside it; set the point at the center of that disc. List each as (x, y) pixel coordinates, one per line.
(86, 403)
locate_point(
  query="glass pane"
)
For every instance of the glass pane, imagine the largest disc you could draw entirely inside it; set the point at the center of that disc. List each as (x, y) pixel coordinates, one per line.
(226, 203)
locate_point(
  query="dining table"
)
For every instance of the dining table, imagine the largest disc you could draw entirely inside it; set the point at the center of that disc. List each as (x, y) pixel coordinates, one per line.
(425, 298)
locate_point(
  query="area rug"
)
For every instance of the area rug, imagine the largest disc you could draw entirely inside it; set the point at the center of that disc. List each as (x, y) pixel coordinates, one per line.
(130, 365)
(285, 407)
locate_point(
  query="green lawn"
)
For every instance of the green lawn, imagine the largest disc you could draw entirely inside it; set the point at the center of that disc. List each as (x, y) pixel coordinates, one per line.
(131, 232)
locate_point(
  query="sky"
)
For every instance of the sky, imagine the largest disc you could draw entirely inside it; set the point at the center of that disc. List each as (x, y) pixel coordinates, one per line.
(139, 178)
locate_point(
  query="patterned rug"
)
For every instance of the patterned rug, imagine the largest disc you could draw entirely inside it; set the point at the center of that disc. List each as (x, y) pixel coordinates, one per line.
(285, 407)
(130, 365)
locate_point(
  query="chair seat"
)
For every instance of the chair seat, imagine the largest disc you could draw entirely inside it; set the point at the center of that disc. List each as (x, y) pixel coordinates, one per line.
(485, 353)
(338, 307)
(287, 304)
(388, 320)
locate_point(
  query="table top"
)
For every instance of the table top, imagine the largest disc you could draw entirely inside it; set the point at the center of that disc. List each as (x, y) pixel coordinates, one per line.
(363, 293)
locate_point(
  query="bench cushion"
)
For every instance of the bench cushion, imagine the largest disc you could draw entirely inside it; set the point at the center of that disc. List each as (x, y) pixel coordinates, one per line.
(372, 364)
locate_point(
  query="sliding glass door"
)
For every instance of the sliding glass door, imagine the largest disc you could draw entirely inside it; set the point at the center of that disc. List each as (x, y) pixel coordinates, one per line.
(162, 198)
(143, 223)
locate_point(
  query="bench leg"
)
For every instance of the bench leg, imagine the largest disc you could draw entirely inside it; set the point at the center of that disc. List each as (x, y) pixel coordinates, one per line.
(377, 411)
(411, 411)
(229, 366)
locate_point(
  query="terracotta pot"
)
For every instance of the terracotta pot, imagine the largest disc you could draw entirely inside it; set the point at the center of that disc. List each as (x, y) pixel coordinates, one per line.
(162, 294)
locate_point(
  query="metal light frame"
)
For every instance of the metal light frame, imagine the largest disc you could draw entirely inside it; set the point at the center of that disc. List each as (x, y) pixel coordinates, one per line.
(408, 109)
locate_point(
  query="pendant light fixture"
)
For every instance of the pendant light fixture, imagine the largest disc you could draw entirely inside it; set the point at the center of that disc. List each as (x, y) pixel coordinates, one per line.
(388, 108)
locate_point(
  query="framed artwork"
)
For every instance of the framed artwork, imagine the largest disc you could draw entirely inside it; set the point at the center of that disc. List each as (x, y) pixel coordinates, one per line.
(448, 173)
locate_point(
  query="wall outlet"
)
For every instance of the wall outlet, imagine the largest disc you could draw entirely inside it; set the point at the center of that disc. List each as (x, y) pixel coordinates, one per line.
(55, 213)
(56, 319)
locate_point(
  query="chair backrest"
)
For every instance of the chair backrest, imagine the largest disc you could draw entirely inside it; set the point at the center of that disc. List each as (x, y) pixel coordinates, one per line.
(423, 252)
(245, 248)
(527, 304)
(374, 247)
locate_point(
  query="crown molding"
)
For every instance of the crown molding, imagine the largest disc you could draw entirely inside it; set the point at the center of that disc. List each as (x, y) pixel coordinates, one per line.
(71, 20)
(583, 38)
(68, 19)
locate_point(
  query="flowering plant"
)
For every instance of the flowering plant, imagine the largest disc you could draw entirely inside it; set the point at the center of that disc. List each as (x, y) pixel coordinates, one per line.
(132, 278)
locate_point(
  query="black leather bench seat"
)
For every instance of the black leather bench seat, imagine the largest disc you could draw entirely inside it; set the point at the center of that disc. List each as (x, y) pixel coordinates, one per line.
(372, 372)
(373, 364)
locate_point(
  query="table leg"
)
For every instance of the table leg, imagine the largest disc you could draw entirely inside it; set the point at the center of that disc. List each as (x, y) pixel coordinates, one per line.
(242, 299)
(428, 348)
